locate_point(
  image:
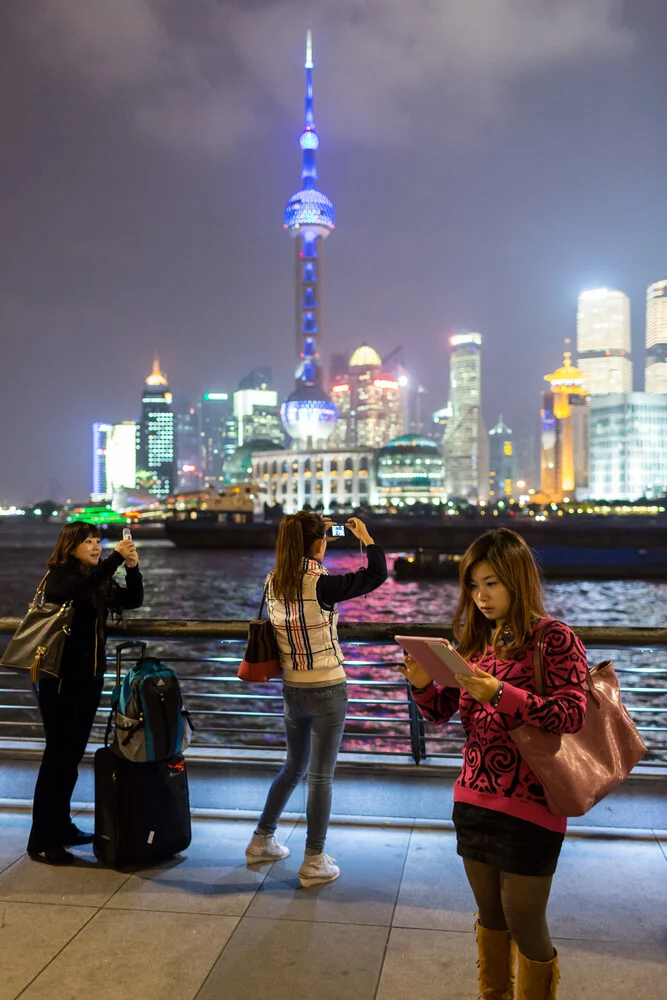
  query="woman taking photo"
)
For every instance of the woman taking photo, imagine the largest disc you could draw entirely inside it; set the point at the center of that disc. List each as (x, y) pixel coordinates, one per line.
(301, 600)
(68, 704)
(506, 835)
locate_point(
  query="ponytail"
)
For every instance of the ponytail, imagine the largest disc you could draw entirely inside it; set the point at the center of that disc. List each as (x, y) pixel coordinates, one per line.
(296, 535)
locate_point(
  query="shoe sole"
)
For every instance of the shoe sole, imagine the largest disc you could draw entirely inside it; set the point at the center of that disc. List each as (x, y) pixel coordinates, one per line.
(252, 859)
(317, 880)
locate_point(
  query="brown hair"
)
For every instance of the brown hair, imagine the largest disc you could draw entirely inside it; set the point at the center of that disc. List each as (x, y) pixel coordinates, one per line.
(296, 536)
(69, 538)
(515, 566)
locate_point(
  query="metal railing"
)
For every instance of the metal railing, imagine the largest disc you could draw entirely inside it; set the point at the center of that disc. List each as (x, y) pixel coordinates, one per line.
(382, 718)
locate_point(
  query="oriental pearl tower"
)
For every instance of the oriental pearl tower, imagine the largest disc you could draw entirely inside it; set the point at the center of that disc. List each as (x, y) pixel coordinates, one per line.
(308, 415)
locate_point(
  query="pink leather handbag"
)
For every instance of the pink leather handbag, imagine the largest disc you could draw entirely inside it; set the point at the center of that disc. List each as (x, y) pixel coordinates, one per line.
(577, 770)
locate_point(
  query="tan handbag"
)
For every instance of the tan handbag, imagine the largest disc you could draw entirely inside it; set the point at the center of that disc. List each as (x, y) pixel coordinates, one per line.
(577, 770)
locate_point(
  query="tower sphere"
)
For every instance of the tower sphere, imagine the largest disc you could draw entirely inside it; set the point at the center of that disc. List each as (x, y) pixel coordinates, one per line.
(309, 211)
(307, 416)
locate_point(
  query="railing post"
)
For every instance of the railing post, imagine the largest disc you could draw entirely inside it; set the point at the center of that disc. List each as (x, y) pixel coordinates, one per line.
(417, 734)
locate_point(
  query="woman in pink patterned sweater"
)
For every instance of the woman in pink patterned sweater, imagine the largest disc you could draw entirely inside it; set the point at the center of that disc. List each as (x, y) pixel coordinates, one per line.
(508, 838)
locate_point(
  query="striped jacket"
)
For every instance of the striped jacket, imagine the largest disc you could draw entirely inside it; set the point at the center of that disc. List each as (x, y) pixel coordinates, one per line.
(306, 633)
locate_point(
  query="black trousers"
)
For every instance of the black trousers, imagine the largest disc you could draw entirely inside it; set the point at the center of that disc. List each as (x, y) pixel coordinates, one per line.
(67, 715)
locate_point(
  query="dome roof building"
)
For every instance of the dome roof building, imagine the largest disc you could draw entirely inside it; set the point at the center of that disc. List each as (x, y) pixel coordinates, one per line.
(368, 399)
(365, 357)
(410, 470)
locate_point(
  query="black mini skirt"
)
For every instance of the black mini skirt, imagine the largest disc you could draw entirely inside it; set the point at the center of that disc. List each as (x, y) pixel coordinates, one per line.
(509, 844)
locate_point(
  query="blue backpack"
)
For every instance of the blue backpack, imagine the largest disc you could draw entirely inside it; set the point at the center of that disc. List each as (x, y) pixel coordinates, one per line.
(150, 722)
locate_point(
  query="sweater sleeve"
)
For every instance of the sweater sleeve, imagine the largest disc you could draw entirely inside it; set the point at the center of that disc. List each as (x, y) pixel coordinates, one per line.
(65, 583)
(563, 708)
(435, 703)
(333, 589)
(132, 594)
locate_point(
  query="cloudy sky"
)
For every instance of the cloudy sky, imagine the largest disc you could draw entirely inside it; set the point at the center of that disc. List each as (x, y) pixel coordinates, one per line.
(488, 160)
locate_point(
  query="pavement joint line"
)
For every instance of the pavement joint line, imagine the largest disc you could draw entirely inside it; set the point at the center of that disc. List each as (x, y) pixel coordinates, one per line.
(388, 822)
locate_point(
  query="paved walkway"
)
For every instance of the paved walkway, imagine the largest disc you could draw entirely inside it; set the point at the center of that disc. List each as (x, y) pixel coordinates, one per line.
(397, 924)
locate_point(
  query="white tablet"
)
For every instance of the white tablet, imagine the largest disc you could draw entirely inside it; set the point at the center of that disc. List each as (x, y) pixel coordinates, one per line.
(437, 656)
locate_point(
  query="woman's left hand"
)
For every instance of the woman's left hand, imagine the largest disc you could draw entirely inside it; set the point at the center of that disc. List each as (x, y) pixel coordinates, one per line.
(482, 686)
(133, 559)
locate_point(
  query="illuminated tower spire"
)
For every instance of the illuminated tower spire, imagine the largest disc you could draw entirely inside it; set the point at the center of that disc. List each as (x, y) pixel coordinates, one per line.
(308, 415)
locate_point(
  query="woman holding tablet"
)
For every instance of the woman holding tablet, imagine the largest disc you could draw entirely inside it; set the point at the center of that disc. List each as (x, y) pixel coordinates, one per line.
(506, 835)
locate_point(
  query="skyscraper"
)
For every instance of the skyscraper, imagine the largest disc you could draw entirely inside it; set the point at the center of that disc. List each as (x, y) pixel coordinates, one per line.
(502, 462)
(219, 436)
(466, 443)
(156, 466)
(628, 451)
(114, 459)
(308, 415)
(368, 399)
(565, 434)
(187, 446)
(656, 337)
(603, 341)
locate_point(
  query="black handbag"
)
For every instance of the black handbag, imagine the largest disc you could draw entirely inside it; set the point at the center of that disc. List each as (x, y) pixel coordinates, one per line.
(38, 643)
(262, 659)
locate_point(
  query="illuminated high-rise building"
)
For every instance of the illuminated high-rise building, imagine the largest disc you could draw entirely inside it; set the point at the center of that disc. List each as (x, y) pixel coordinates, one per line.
(308, 414)
(218, 436)
(466, 442)
(114, 459)
(603, 341)
(503, 466)
(628, 450)
(368, 399)
(656, 338)
(156, 457)
(565, 434)
(187, 446)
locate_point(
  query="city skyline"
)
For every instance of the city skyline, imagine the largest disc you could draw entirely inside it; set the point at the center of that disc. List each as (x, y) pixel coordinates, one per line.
(125, 242)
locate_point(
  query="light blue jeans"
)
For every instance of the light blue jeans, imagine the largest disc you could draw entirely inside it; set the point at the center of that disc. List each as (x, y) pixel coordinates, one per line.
(314, 723)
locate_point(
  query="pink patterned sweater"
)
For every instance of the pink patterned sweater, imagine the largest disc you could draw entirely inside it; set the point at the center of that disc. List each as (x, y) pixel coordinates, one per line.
(494, 775)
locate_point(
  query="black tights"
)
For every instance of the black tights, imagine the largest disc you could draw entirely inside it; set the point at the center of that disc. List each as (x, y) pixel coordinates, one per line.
(517, 903)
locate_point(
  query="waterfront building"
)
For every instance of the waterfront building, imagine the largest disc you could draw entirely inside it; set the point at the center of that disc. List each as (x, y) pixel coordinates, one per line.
(308, 415)
(256, 413)
(218, 436)
(409, 471)
(114, 459)
(565, 434)
(155, 439)
(466, 443)
(323, 478)
(503, 469)
(603, 340)
(628, 446)
(656, 338)
(368, 400)
(187, 446)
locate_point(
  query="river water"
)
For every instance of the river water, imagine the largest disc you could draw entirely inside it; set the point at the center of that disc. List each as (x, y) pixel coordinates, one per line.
(217, 584)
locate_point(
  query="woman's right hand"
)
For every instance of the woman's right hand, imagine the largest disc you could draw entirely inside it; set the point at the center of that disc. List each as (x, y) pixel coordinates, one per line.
(414, 672)
(359, 530)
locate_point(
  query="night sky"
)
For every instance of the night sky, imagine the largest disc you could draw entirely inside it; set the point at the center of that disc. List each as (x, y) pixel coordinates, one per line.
(488, 160)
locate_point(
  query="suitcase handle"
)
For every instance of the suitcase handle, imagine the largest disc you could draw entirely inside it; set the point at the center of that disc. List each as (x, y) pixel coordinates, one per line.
(120, 649)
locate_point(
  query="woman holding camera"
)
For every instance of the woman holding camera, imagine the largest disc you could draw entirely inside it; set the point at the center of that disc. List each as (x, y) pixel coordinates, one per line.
(509, 840)
(68, 703)
(302, 602)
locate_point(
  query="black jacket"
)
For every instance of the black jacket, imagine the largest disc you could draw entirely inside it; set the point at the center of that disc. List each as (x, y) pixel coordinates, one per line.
(332, 589)
(95, 593)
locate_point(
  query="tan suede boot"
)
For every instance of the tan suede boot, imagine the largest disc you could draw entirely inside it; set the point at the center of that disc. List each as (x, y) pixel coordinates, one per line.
(537, 980)
(497, 958)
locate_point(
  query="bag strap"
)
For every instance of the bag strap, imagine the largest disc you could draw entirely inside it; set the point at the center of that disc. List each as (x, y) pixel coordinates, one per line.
(538, 656)
(40, 590)
(538, 663)
(261, 607)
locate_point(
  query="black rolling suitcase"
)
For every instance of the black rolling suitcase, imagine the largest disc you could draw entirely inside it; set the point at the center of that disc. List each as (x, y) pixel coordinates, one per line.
(142, 810)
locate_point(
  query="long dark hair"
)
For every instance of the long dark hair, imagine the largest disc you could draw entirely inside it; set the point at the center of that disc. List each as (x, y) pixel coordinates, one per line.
(515, 567)
(69, 539)
(296, 536)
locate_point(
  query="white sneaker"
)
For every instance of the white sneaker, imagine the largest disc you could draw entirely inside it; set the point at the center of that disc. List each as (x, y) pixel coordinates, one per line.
(265, 847)
(317, 868)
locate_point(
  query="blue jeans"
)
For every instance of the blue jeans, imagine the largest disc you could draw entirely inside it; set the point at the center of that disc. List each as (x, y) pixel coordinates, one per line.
(314, 723)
